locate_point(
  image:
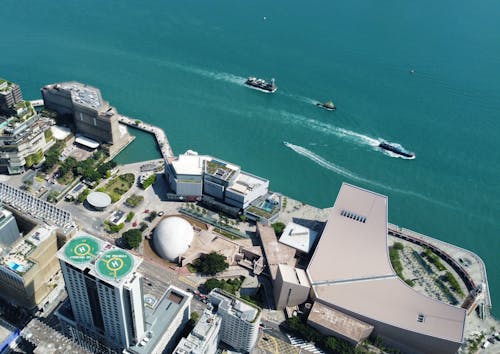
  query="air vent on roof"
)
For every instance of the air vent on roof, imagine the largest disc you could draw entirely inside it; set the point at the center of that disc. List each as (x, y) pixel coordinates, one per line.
(354, 216)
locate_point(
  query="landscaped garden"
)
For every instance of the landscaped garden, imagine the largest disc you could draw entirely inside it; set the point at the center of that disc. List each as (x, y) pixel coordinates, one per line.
(118, 186)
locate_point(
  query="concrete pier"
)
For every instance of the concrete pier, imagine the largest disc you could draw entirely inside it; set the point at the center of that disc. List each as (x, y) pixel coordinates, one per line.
(161, 137)
(467, 264)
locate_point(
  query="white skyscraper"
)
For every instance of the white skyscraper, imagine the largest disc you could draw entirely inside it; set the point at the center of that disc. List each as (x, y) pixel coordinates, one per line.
(240, 320)
(104, 290)
(204, 337)
(107, 308)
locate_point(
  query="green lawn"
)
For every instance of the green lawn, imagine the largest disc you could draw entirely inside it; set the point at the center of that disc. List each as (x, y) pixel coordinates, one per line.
(118, 186)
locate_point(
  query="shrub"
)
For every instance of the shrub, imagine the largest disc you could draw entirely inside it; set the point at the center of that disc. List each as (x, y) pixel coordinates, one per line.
(149, 181)
(130, 216)
(278, 228)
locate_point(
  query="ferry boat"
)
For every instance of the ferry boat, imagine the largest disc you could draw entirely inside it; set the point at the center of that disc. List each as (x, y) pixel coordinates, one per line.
(327, 105)
(396, 149)
(261, 85)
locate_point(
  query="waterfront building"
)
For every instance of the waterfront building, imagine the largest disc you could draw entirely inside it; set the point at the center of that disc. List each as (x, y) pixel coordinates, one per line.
(10, 94)
(93, 117)
(27, 266)
(350, 272)
(9, 232)
(106, 301)
(192, 176)
(291, 287)
(240, 320)
(22, 138)
(204, 337)
(299, 237)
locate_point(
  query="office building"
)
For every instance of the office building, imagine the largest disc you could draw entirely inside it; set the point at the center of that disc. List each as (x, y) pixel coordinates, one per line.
(9, 232)
(204, 337)
(10, 94)
(93, 117)
(106, 300)
(350, 272)
(27, 266)
(240, 320)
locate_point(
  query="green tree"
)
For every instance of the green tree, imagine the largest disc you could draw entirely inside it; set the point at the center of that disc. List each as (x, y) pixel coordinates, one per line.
(212, 263)
(278, 228)
(130, 216)
(133, 237)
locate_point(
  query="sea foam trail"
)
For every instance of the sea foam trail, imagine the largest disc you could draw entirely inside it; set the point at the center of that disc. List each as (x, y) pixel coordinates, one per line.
(326, 128)
(353, 176)
(216, 75)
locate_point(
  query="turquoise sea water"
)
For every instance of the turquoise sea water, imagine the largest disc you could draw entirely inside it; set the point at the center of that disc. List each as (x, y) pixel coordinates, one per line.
(180, 65)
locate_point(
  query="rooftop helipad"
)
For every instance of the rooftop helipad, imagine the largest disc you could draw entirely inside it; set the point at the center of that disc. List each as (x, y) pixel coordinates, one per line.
(82, 249)
(114, 264)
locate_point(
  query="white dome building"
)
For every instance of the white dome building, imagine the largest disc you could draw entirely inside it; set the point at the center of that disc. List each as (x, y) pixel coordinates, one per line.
(172, 237)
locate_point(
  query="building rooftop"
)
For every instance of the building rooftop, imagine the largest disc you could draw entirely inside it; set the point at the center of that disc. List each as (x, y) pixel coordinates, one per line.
(99, 199)
(105, 261)
(339, 322)
(90, 143)
(220, 169)
(298, 237)
(276, 253)
(189, 163)
(293, 275)
(16, 258)
(159, 317)
(82, 94)
(351, 271)
(246, 183)
(194, 342)
(237, 307)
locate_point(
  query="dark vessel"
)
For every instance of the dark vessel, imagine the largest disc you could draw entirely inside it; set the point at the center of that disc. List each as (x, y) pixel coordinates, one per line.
(396, 149)
(327, 105)
(261, 85)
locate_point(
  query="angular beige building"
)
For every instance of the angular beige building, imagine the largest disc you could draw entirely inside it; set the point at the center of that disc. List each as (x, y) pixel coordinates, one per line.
(350, 272)
(291, 287)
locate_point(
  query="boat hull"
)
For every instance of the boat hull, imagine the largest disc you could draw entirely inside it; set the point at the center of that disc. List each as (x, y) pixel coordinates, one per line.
(320, 105)
(261, 89)
(396, 150)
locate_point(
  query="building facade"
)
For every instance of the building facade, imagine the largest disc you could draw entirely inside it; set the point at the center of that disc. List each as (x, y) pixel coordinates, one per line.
(27, 266)
(10, 94)
(9, 232)
(240, 320)
(93, 117)
(22, 139)
(204, 337)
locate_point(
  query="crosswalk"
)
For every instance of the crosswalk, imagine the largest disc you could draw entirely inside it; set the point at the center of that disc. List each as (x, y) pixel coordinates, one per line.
(302, 344)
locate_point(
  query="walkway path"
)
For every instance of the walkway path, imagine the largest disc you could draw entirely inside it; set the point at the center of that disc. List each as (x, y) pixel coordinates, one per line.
(161, 137)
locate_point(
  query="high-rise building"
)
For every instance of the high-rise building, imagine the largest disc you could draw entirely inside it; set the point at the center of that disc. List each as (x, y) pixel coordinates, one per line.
(26, 267)
(204, 337)
(9, 232)
(93, 117)
(107, 301)
(240, 320)
(10, 94)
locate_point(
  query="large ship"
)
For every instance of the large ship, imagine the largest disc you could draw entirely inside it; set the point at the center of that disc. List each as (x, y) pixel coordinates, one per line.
(261, 85)
(327, 105)
(396, 149)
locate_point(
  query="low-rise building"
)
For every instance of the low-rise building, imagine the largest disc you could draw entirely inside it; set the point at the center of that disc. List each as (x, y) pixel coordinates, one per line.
(26, 267)
(204, 337)
(192, 176)
(240, 320)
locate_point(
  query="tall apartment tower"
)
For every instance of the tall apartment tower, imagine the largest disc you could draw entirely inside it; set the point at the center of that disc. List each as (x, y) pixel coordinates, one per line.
(93, 117)
(104, 290)
(10, 94)
(240, 320)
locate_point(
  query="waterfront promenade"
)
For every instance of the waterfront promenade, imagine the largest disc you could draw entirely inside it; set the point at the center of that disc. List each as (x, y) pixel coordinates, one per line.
(467, 264)
(161, 137)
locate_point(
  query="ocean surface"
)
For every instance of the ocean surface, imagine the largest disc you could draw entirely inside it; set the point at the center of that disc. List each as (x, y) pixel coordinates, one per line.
(181, 65)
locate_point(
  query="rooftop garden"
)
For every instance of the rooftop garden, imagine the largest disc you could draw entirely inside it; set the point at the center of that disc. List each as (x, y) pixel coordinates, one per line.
(212, 166)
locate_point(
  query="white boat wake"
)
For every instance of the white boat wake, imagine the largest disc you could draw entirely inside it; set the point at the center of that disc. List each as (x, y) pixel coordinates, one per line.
(353, 176)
